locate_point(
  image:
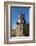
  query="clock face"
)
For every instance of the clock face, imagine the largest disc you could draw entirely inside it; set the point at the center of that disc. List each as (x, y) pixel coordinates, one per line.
(19, 21)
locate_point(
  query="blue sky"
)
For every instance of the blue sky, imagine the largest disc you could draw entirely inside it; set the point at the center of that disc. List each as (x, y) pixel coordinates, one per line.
(15, 11)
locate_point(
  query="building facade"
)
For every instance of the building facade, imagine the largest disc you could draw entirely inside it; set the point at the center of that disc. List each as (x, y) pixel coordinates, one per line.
(20, 25)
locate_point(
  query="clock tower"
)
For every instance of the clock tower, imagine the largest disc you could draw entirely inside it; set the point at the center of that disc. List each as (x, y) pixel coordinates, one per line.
(20, 25)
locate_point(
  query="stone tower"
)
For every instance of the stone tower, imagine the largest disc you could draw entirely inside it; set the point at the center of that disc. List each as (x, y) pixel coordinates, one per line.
(19, 25)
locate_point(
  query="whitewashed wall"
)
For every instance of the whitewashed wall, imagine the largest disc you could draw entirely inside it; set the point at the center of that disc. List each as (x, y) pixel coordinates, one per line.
(23, 0)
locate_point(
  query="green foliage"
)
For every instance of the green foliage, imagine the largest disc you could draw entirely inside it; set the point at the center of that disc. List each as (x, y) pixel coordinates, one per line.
(26, 30)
